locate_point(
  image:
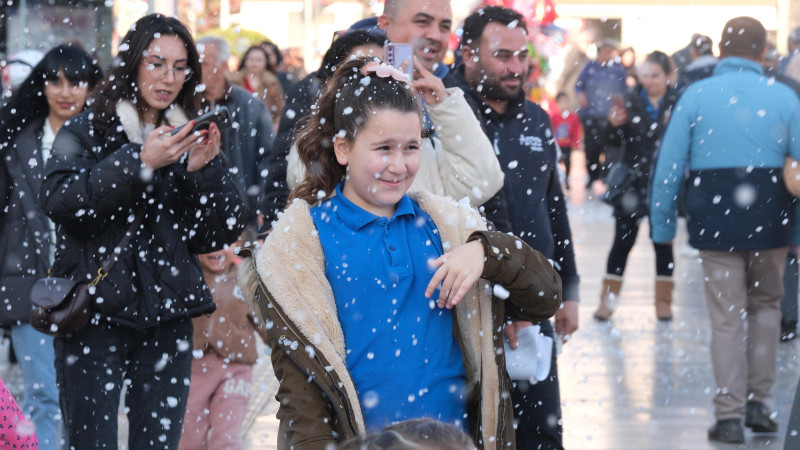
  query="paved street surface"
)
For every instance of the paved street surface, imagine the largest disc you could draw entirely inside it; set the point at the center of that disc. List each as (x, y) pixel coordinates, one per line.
(632, 383)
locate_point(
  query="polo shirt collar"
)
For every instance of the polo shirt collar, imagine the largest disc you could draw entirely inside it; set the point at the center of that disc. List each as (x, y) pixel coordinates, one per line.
(357, 218)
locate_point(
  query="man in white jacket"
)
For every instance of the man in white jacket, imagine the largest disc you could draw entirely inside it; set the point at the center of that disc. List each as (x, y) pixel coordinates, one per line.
(457, 159)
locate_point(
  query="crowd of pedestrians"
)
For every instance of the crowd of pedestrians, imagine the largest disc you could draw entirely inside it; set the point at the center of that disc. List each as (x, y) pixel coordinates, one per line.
(397, 236)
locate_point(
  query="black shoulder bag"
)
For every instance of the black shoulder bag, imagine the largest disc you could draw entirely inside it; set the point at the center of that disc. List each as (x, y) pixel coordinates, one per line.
(62, 306)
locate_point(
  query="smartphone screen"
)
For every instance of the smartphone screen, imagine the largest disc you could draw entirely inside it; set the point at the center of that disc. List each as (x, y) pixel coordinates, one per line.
(401, 57)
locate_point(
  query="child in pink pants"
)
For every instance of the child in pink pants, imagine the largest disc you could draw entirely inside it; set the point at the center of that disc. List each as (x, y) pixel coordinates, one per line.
(15, 430)
(225, 352)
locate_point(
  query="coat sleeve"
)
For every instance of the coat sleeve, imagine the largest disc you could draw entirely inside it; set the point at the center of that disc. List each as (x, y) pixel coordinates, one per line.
(303, 412)
(564, 254)
(469, 167)
(83, 194)
(213, 210)
(533, 285)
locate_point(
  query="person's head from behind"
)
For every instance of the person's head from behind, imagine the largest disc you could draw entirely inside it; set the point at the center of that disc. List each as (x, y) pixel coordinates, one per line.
(562, 100)
(654, 74)
(743, 37)
(365, 130)
(356, 43)
(65, 75)
(701, 45)
(425, 24)
(418, 434)
(159, 67)
(495, 50)
(214, 55)
(254, 60)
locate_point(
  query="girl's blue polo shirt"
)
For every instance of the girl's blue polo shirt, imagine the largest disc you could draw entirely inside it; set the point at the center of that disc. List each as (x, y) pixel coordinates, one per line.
(401, 350)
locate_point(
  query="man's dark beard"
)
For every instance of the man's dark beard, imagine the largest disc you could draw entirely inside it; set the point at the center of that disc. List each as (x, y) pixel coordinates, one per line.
(491, 89)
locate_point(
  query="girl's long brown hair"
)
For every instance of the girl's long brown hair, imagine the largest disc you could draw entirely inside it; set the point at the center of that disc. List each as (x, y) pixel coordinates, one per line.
(345, 105)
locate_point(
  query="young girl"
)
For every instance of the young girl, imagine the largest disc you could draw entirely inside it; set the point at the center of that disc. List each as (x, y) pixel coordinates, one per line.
(109, 164)
(221, 377)
(54, 92)
(347, 280)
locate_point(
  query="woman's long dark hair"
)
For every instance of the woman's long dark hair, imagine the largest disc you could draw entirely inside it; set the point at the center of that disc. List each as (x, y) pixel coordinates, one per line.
(346, 104)
(121, 82)
(29, 103)
(342, 47)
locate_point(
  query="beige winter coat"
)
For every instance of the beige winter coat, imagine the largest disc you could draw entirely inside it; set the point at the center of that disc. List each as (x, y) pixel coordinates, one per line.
(319, 405)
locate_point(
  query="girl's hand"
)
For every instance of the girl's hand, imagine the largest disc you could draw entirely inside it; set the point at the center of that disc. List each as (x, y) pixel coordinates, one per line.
(204, 151)
(160, 149)
(458, 271)
(428, 85)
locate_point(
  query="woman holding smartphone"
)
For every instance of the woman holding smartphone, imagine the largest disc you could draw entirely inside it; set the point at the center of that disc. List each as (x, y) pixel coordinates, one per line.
(638, 121)
(110, 164)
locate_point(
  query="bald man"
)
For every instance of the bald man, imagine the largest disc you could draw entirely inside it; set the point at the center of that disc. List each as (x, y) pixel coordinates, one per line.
(425, 24)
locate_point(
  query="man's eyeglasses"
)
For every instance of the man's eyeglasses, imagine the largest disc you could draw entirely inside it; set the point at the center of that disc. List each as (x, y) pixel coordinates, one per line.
(159, 69)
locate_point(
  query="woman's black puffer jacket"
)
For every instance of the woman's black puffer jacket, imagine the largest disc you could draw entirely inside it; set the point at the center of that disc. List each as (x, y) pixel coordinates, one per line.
(94, 186)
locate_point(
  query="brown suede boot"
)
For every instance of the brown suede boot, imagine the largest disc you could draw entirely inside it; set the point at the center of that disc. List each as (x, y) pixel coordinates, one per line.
(664, 286)
(609, 293)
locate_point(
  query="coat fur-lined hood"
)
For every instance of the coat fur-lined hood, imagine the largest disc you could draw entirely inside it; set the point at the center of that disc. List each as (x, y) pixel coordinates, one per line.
(291, 265)
(133, 127)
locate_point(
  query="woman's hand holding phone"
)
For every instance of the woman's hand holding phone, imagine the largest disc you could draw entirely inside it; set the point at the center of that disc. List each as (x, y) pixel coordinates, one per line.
(204, 151)
(162, 149)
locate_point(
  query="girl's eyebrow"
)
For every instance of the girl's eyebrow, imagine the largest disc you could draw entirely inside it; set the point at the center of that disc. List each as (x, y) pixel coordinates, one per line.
(164, 59)
(392, 141)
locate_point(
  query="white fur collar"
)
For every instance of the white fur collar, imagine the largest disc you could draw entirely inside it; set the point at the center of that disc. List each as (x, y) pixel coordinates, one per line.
(136, 132)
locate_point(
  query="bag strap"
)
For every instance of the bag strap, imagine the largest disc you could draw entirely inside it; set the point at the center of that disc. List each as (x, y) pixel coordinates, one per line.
(105, 268)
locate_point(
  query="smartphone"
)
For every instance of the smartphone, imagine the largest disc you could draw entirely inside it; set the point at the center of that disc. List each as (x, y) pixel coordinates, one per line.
(218, 115)
(397, 55)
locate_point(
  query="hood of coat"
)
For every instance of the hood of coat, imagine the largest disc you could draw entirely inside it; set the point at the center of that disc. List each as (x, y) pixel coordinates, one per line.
(134, 128)
(291, 265)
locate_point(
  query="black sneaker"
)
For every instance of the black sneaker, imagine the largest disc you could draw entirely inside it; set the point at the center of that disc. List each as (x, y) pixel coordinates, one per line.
(788, 331)
(758, 418)
(729, 431)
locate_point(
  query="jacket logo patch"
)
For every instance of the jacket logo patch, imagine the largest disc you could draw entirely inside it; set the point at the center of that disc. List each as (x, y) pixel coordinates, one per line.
(534, 142)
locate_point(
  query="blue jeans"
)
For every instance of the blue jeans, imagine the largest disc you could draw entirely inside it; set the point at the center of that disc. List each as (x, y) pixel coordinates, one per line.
(155, 364)
(35, 354)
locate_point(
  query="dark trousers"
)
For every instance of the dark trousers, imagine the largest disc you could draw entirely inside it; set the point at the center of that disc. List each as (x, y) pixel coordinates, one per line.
(537, 407)
(790, 294)
(155, 365)
(566, 151)
(625, 232)
(594, 143)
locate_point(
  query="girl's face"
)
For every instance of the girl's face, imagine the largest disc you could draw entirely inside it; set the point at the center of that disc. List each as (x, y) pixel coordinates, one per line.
(381, 161)
(162, 71)
(218, 262)
(65, 98)
(653, 79)
(255, 62)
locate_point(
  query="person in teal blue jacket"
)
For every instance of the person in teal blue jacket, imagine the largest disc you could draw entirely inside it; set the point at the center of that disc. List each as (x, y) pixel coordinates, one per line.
(732, 132)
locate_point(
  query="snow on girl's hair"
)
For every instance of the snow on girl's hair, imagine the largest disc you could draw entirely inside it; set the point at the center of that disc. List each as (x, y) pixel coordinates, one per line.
(350, 97)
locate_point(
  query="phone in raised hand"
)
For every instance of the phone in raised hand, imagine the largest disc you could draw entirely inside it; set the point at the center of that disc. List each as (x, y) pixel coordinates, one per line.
(401, 56)
(218, 115)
